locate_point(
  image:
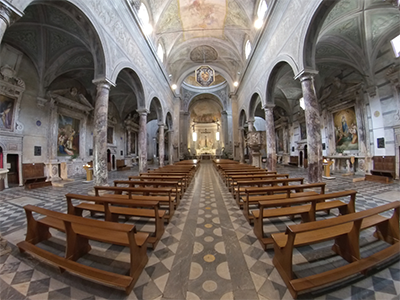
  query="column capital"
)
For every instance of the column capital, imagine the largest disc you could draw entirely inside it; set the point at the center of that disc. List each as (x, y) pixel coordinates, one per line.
(161, 124)
(269, 106)
(103, 83)
(250, 120)
(224, 112)
(9, 14)
(143, 111)
(306, 74)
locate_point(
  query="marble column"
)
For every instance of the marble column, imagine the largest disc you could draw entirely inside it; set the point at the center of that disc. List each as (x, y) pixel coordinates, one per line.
(100, 173)
(241, 145)
(142, 140)
(313, 125)
(224, 130)
(161, 145)
(250, 124)
(170, 147)
(7, 18)
(270, 137)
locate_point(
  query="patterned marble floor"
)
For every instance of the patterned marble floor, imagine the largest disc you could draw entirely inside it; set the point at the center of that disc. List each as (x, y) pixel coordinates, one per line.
(208, 250)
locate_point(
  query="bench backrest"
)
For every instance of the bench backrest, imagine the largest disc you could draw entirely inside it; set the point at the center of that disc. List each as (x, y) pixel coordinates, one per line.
(268, 182)
(288, 188)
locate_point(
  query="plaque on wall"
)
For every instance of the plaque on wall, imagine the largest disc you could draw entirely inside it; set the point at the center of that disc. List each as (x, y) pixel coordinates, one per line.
(323, 146)
(122, 152)
(37, 151)
(381, 142)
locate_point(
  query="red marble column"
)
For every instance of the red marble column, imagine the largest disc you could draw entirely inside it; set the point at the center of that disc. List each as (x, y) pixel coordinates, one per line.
(143, 140)
(241, 145)
(161, 150)
(100, 173)
(313, 125)
(270, 137)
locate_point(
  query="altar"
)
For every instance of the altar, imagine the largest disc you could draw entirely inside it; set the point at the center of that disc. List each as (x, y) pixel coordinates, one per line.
(350, 164)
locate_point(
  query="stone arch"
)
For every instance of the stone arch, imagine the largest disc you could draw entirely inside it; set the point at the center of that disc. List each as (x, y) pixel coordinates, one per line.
(169, 121)
(309, 33)
(156, 111)
(273, 77)
(138, 86)
(242, 118)
(254, 101)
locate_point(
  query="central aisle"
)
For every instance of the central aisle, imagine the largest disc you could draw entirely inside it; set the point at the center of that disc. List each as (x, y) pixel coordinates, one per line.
(209, 262)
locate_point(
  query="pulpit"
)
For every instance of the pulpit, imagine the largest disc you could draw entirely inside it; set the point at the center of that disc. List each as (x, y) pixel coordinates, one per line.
(256, 141)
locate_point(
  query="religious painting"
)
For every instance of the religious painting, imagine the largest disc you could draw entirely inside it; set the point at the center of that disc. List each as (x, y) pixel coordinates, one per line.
(199, 15)
(303, 131)
(279, 140)
(110, 132)
(68, 136)
(205, 75)
(346, 132)
(133, 142)
(6, 113)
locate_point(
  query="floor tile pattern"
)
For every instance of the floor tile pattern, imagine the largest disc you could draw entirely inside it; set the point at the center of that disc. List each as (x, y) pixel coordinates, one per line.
(208, 250)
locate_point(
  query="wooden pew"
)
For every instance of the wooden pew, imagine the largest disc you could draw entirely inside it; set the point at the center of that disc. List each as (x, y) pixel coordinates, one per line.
(183, 178)
(255, 195)
(33, 176)
(174, 185)
(258, 186)
(345, 232)
(164, 195)
(113, 208)
(79, 231)
(304, 206)
(232, 179)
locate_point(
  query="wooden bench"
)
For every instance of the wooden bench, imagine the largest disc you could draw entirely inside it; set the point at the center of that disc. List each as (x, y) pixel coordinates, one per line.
(240, 189)
(164, 195)
(256, 194)
(113, 208)
(79, 231)
(33, 176)
(182, 178)
(121, 166)
(294, 161)
(345, 231)
(174, 185)
(306, 207)
(232, 179)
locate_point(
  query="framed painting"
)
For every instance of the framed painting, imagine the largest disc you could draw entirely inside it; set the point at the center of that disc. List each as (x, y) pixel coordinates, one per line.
(346, 132)
(303, 131)
(68, 136)
(7, 107)
(110, 135)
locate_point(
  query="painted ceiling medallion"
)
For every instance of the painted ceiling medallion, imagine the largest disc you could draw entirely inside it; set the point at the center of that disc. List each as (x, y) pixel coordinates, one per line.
(202, 54)
(205, 75)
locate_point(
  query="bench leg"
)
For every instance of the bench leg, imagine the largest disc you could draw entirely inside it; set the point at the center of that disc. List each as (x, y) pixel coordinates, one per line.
(36, 232)
(348, 245)
(283, 260)
(77, 245)
(388, 231)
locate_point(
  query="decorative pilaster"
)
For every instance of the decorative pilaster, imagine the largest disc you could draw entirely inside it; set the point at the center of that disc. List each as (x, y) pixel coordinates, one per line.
(270, 137)
(142, 140)
(313, 125)
(100, 173)
(359, 109)
(241, 145)
(129, 139)
(161, 145)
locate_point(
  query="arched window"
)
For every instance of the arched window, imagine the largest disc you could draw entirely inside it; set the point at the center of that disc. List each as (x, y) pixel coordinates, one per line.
(396, 46)
(160, 52)
(262, 9)
(247, 49)
(145, 19)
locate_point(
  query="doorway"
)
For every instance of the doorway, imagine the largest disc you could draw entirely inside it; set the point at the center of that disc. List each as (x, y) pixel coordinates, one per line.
(13, 174)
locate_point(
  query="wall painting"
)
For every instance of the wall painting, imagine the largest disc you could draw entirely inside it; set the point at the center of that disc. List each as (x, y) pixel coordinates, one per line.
(346, 132)
(68, 136)
(6, 113)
